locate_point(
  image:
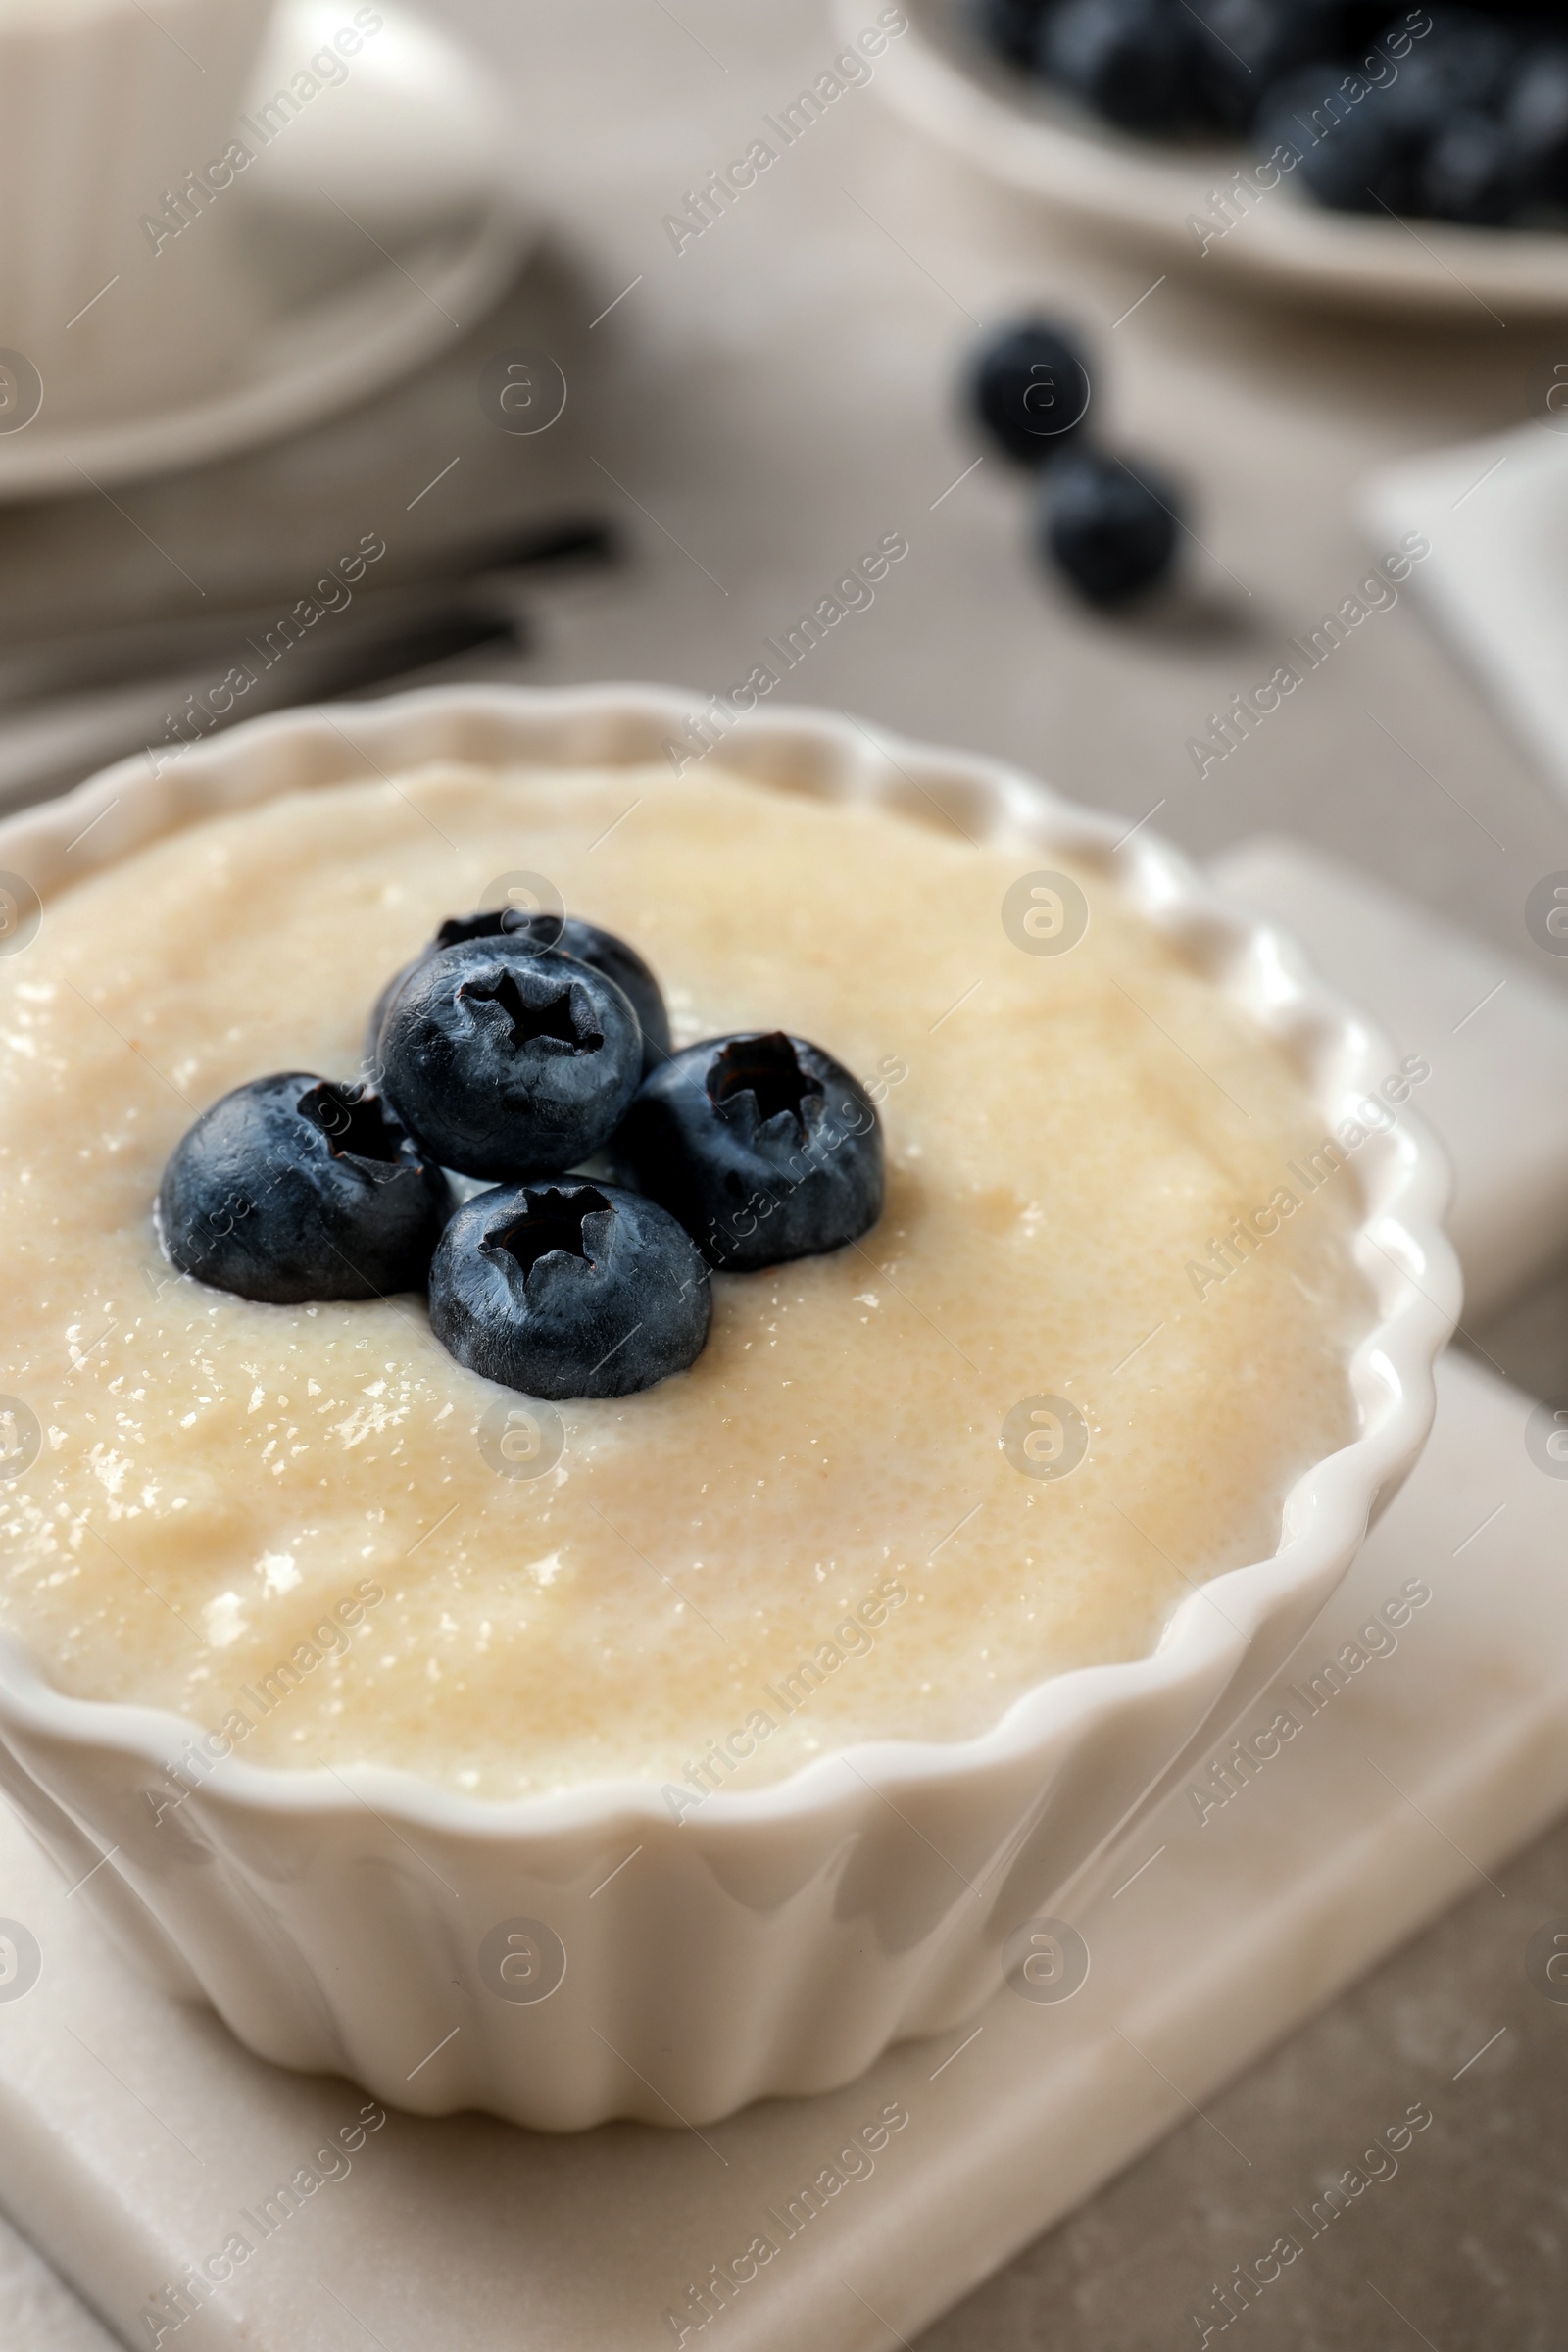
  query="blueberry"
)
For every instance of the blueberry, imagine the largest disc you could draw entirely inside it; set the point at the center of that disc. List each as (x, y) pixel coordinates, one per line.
(1110, 530)
(1357, 155)
(293, 1188)
(1242, 47)
(1130, 60)
(1471, 171)
(586, 940)
(764, 1145)
(1465, 60)
(1537, 119)
(1012, 27)
(569, 1289)
(1030, 389)
(506, 1061)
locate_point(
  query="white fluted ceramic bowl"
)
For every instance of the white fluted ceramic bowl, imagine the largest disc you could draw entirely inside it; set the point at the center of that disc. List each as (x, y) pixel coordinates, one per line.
(776, 1940)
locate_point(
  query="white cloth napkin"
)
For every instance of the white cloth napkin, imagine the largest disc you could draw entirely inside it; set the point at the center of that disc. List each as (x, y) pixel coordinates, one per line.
(1496, 515)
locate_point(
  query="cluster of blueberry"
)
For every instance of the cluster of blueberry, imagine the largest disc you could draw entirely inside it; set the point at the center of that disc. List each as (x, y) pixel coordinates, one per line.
(1449, 111)
(1108, 528)
(532, 1053)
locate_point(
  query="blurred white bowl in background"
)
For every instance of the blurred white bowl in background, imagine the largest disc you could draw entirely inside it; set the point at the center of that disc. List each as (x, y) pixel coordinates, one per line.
(379, 216)
(1177, 199)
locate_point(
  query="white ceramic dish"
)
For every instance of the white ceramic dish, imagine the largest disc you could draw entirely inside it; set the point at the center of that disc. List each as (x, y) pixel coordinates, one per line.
(304, 361)
(775, 1940)
(396, 177)
(103, 108)
(1040, 143)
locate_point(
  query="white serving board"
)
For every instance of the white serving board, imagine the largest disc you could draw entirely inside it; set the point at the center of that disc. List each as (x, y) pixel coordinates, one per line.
(135, 2137)
(38, 2313)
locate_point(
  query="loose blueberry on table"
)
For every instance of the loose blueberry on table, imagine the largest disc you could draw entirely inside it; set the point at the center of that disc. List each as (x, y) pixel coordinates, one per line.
(1112, 530)
(513, 1050)
(1108, 525)
(1031, 390)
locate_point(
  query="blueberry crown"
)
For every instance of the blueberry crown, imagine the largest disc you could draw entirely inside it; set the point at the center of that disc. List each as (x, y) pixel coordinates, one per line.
(516, 1048)
(560, 1019)
(550, 1224)
(356, 1123)
(767, 1069)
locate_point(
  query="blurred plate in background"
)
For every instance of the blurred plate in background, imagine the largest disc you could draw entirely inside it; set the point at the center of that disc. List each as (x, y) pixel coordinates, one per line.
(383, 225)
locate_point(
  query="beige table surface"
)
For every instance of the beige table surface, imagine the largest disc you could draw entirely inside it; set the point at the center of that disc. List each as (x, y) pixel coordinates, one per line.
(757, 410)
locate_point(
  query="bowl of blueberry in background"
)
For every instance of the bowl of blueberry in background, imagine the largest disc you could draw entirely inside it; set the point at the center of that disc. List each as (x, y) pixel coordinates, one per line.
(1325, 148)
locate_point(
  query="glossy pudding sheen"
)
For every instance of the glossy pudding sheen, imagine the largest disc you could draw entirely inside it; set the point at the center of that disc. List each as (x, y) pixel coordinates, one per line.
(312, 1531)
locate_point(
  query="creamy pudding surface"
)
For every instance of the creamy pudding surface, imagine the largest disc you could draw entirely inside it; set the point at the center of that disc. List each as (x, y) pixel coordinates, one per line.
(311, 1530)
